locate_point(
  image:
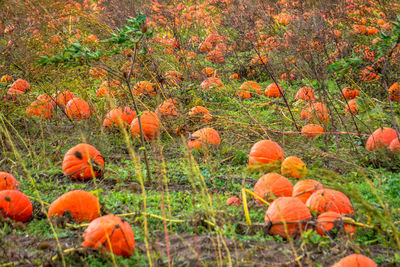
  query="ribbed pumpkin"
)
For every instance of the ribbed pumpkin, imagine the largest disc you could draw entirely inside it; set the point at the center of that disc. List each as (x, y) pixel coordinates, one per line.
(324, 200)
(315, 111)
(312, 130)
(211, 83)
(144, 88)
(293, 167)
(203, 138)
(7, 181)
(394, 92)
(251, 86)
(77, 109)
(110, 233)
(350, 93)
(243, 94)
(273, 90)
(355, 260)
(167, 109)
(305, 188)
(83, 162)
(15, 205)
(64, 97)
(20, 85)
(395, 145)
(41, 109)
(271, 186)
(119, 117)
(199, 113)
(265, 152)
(328, 220)
(381, 138)
(305, 93)
(289, 210)
(83, 206)
(351, 107)
(150, 125)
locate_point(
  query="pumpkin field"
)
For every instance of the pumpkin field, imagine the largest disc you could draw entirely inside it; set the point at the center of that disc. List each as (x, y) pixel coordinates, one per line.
(200, 133)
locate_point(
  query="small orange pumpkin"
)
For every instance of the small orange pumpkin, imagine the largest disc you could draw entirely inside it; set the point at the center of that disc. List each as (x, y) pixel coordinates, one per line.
(167, 110)
(40, 109)
(315, 111)
(312, 130)
(380, 138)
(150, 125)
(265, 152)
(64, 97)
(324, 200)
(200, 113)
(110, 233)
(303, 189)
(271, 186)
(251, 86)
(144, 88)
(15, 205)
(82, 205)
(7, 181)
(20, 85)
(233, 201)
(78, 109)
(287, 217)
(203, 138)
(326, 222)
(273, 90)
(83, 162)
(5, 79)
(355, 260)
(394, 92)
(351, 107)
(350, 93)
(305, 93)
(293, 167)
(211, 83)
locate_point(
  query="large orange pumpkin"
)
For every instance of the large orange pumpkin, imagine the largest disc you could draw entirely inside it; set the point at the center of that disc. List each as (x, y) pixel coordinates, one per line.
(15, 205)
(355, 260)
(394, 92)
(83, 162)
(77, 109)
(273, 90)
(203, 138)
(271, 186)
(293, 167)
(350, 93)
(324, 200)
(290, 211)
(312, 130)
(315, 111)
(305, 188)
(150, 125)
(7, 181)
(201, 114)
(83, 206)
(110, 233)
(305, 93)
(265, 152)
(326, 222)
(382, 137)
(64, 97)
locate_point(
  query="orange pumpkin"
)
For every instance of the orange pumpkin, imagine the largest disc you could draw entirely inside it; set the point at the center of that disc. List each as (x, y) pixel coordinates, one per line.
(150, 125)
(233, 201)
(83, 206)
(326, 222)
(293, 167)
(324, 200)
(40, 109)
(199, 113)
(273, 90)
(394, 92)
(167, 109)
(351, 107)
(203, 138)
(312, 130)
(20, 85)
(173, 77)
(211, 83)
(243, 94)
(144, 88)
(305, 93)
(64, 97)
(315, 111)
(234, 76)
(251, 86)
(305, 188)
(15, 205)
(259, 60)
(350, 93)
(287, 217)
(381, 138)
(110, 233)
(355, 260)
(83, 162)
(5, 79)
(77, 109)
(265, 152)
(7, 181)
(395, 145)
(271, 186)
